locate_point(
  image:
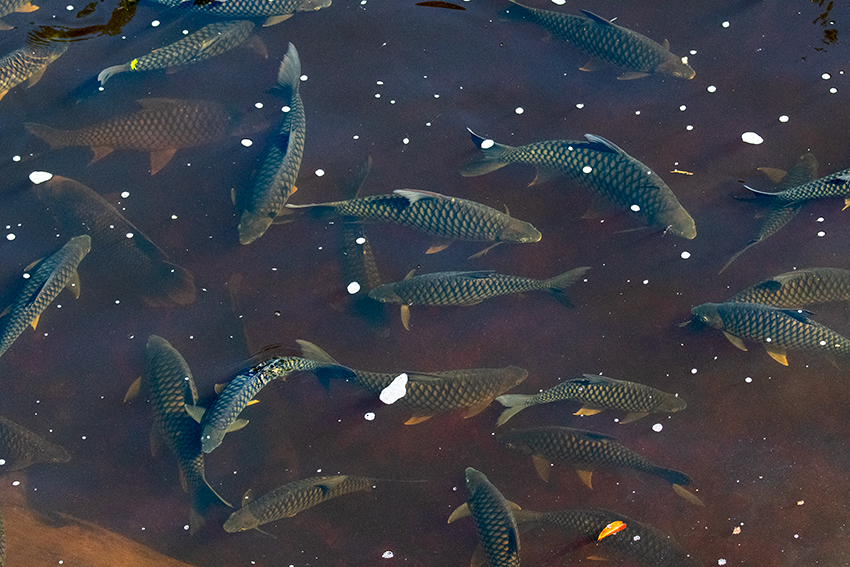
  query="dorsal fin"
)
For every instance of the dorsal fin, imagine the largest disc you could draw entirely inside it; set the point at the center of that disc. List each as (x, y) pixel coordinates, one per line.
(597, 19)
(413, 195)
(606, 144)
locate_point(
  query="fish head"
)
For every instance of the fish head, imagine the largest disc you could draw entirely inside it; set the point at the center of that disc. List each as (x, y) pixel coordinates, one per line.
(679, 223)
(385, 294)
(307, 5)
(211, 437)
(513, 376)
(513, 440)
(520, 231)
(253, 225)
(672, 404)
(708, 314)
(241, 520)
(677, 67)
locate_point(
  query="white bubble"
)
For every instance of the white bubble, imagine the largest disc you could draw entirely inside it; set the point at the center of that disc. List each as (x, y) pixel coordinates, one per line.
(820, 219)
(258, 105)
(580, 105)
(748, 379)
(377, 95)
(2, 462)
(16, 158)
(387, 554)
(360, 240)
(285, 108)
(519, 110)
(320, 172)
(689, 127)
(155, 23)
(40, 176)
(405, 141)
(635, 208)
(725, 24)
(125, 194)
(833, 90)
(711, 89)
(173, 217)
(247, 142)
(185, 32)
(303, 77)
(369, 416)
(16, 483)
(353, 288)
(645, 282)
(10, 236)
(752, 138)
(784, 118)
(379, 83)
(559, 2)
(721, 562)
(69, 7)
(395, 391)
(637, 112)
(821, 233)
(129, 235)
(686, 255)
(826, 76)
(587, 169)
(683, 108)
(487, 144)
(657, 427)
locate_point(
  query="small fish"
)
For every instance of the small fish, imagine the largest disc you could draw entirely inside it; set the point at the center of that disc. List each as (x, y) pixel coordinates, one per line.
(597, 393)
(609, 43)
(599, 166)
(27, 64)
(161, 127)
(275, 11)
(777, 329)
(833, 185)
(799, 288)
(131, 262)
(20, 448)
(587, 451)
(50, 276)
(467, 288)
(292, 498)
(429, 393)
(9, 6)
(275, 181)
(494, 521)
(440, 4)
(205, 43)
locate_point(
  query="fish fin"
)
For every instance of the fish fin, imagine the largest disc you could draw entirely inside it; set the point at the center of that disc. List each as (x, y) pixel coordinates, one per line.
(413, 195)
(598, 19)
(478, 408)
(556, 286)
(3, 93)
(252, 402)
(237, 425)
(107, 73)
(313, 352)
(28, 7)
(4, 27)
(6, 311)
(195, 412)
(461, 511)
(36, 77)
(687, 495)
(481, 253)
(846, 203)
(479, 556)
(736, 254)
(328, 484)
(247, 498)
(585, 477)
(405, 316)
(73, 284)
(160, 158)
(438, 248)
(603, 144)
(775, 175)
(801, 315)
(631, 75)
(255, 43)
(777, 353)
(133, 390)
(593, 64)
(735, 340)
(490, 161)
(633, 416)
(34, 321)
(514, 403)
(155, 442)
(587, 411)
(289, 73)
(417, 419)
(543, 174)
(274, 20)
(183, 484)
(409, 275)
(666, 45)
(196, 522)
(776, 283)
(219, 388)
(100, 152)
(542, 466)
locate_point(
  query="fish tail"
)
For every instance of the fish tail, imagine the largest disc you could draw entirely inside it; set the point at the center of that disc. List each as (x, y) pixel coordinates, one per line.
(174, 286)
(203, 498)
(109, 71)
(672, 476)
(490, 161)
(738, 253)
(54, 137)
(289, 75)
(527, 519)
(514, 403)
(558, 284)
(317, 210)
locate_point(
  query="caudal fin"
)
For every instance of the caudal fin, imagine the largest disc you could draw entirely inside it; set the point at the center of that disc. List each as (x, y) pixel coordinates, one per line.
(172, 285)
(289, 75)
(558, 284)
(203, 498)
(104, 75)
(490, 161)
(54, 137)
(514, 403)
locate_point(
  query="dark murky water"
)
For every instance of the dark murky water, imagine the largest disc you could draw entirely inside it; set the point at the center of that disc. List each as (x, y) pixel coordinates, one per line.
(766, 444)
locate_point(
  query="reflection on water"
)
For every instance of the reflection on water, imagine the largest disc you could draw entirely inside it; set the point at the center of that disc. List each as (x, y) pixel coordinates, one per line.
(765, 444)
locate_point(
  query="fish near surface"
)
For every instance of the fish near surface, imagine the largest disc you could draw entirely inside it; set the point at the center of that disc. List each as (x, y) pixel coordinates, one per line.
(599, 166)
(134, 263)
(833, 185)
(275, 11)
(605, 41)
(20, 448)
(161, 127)
(50, 276)
(275, 180)
(27, 64)
(799, 288)
(597, 393)
(9, 6)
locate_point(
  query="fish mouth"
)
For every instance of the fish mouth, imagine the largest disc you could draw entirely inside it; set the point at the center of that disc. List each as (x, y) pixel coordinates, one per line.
(252, 226)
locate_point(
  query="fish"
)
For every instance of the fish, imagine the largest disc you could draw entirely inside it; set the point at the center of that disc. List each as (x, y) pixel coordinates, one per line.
(440, 4)
(21, 448)
(597, 393)
(161, 127)
(169, 385)
(494, 521)
(275, 11)
(467, 288)
(429, 393)
(292, 498)
(275, 181)
(358, 261)
(46, 279)
(587, 451)
(777, 329)
(27, 64)
(207, 42)
(609, 43)
(798, 289)
(9, 6)
(833, 185)
(600, 167)
(131, 263)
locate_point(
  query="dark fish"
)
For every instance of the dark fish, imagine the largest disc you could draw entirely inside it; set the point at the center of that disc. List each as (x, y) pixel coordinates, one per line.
(275, 181)
(494, 521)
(292, 498)
(597, 393)
(440, 4)
(607, 42)
(429, 393)
(358, 260)
(20, 448)
(205, 43)
(467, 288)
(275, 11)
(833, 185)
(800, 288)
(50, 276)
(9, 6)
(586, 451)
(27, 64)
(599, 166)
(777, 329)
(162, 127)
(132, 263)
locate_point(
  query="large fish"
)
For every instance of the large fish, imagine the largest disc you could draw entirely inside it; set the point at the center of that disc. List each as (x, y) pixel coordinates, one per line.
(777, 329)
(833, 185)
(597, 393)
(494, 521)
(799, 288)
(161, 127)
(20, 448)
(292, 498)
(601, 167)
(49, 277)
(9, 6)
(586, 451)
(121, 253)
(429, 393)
(27, 64)
(605, 41)
(275, 11)
(467, 288)
(207, 42)
(275, 181)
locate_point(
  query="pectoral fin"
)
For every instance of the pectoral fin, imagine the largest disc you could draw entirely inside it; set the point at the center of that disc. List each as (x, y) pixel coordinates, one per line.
(34, 321)
(28, 7)
(587, 411)
(160, 158)
(478, 408)
(777, 353)
(631, 75)
(544, 174)
(689, 496)
(237, 425)
(479, 254)
(73, 284)
(36, 77)
(133, 390)
(585, 477)
(735, 341)
(592, 64)
(461, 511)
(273, 20)
(775, 175)
(417, 419)
(195, 412)
(542, 466)
(405, 316)
(846, 203)
(438, 248)
(100, 152)
(634, 416)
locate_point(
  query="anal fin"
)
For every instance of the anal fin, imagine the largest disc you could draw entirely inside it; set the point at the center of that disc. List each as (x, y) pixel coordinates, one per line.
(542, 466)
(405, 316)
(417, 419)
(478, 408)
(777, 353)
(687, 495)
(633, 416)
(585, 477)
(587, 411)
(160, 158)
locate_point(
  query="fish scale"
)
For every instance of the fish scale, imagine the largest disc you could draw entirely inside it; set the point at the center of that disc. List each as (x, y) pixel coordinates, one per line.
(20, 448)
(26, 62)
(494, 522)
(832, 185)
(250, 8)
(799, 288)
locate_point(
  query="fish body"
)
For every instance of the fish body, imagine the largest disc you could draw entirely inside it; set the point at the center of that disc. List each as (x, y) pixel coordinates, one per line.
(292, 498)
(274, 10)
(599, 166)
(605, 41)
(275, 180)
(50, 277)
(205, 43)
(161, 127)
(20, 448)
(597, 393)
(799, 288)
(134, 262)
(9, 6)
(27, 64)
(833, 185)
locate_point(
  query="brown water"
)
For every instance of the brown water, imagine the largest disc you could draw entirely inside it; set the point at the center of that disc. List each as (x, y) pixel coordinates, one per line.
(766, 444)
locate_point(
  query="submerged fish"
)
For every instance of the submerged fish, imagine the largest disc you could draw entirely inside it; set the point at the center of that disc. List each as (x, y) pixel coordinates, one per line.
(599, 166)
(50, 276)
(597, 393)
(799, 288)
(9, 6)
(607, 42)
(429, 393)
(20, 448)
(494, 521)
(275, 11)
(27, 64)
(292, 498)
(131, 262)
(777, 329)
(205, 43)
(358, 260)
(162, 127)
(833, 185)
(275, 181)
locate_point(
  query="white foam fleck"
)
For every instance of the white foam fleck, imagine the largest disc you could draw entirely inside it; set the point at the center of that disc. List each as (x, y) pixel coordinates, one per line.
(752, 138)
(821, 234)
(379, 82)
(185, 32)
(173, 217)
(580, 105)
(519, 110)
(155, 23)
(820, 219)
(559, 2)
(711, 89)
(683, 108)
(587, 169)
(125, 194)
(16, 158)
(285, 108)
(10, 236)
(405, 141)
(40, 176)
(693, 370)
(784, 118)
(487, 144)
(689, 127)
(353, 288)
(69, 7)
(748, 379)
(826, 76)
(387, 554)
(686, 255)
(725, 24)
(303, 77)
(377, 95)
(395, 391)
(258, 105)
(635, 208)
(247, 142)
(129, 235)
(657, 427)
(369, 416)
(360, 240)
(833, 90)
(320, 172)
